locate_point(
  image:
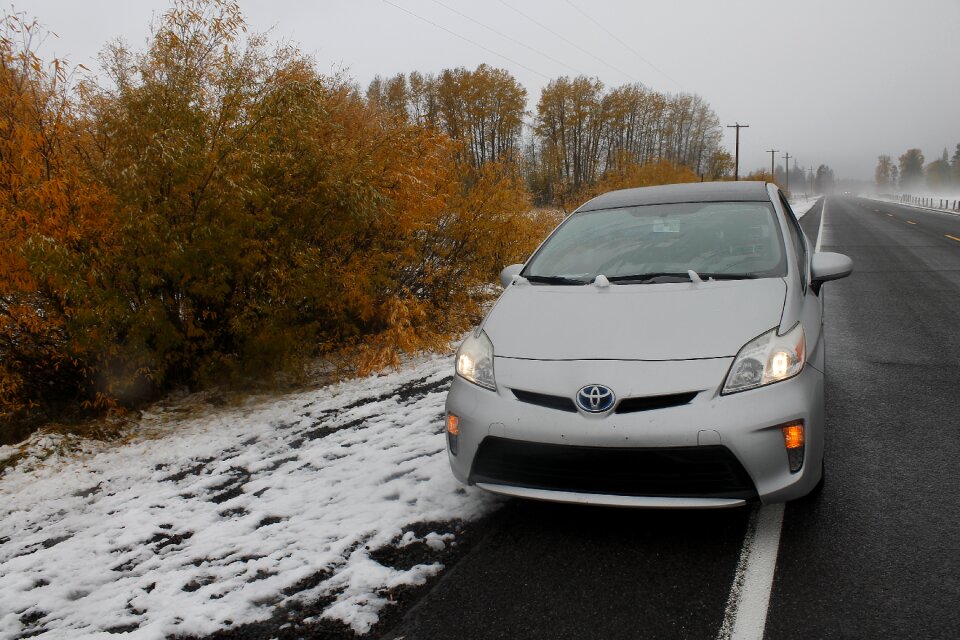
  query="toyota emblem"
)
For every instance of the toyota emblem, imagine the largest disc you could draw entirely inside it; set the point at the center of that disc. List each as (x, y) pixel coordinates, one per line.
(595, 398)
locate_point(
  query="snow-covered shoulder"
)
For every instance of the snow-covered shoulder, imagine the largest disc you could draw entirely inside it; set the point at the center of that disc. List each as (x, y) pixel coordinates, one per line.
(801, 205)
(235, 514)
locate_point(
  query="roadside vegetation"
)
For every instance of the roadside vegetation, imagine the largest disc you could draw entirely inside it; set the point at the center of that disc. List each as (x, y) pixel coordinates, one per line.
(910, 173)
(213, 210)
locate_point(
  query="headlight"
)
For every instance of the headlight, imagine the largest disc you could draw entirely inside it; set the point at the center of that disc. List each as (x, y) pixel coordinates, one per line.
(475, 360)
(767, 359)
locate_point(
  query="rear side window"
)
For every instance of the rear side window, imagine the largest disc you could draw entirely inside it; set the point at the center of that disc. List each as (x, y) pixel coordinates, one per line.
(796, 237)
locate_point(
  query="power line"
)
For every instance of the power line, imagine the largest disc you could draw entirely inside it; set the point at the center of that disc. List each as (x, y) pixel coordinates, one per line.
(771, 152)
(503, 35)
(569, 42)
(625, 45)
(787, 170)
(466, 39)
(736, 165)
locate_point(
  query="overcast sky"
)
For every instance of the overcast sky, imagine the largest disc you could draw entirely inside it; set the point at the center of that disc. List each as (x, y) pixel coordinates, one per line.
(834, 82)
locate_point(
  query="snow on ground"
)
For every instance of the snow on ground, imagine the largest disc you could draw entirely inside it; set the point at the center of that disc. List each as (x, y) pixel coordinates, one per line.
(922, 201)
(233, 514)
(7, 452)
(801, 206)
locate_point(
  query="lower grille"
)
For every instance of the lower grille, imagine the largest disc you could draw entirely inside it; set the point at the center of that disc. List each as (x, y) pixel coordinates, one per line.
(702, 472)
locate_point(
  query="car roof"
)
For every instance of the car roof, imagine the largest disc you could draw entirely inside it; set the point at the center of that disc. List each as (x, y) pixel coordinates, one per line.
(748, 191)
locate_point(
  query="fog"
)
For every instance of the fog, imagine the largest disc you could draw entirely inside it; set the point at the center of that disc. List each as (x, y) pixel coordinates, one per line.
(835, 83)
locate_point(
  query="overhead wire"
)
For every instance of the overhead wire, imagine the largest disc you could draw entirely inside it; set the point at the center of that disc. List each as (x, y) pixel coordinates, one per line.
(624, 44)
(570, 42)
(507, 37)
(466, 39)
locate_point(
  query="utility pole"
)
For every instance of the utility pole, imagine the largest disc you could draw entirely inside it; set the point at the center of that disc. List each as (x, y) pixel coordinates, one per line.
(771, 152)
(786, 168)
(736, 165)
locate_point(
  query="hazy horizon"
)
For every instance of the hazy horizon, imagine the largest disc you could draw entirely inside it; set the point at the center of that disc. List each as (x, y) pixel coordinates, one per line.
(830, 84)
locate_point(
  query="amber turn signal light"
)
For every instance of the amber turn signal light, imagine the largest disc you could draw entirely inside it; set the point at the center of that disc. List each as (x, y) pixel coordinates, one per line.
(453, 425)
(793, 435)
(453, 433)
(793, 440)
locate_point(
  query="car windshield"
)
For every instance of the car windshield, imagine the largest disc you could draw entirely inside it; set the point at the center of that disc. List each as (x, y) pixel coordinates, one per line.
(662, 243)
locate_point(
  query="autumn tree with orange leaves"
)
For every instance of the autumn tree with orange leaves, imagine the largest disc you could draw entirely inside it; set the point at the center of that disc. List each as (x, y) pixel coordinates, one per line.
(56, 235)
(211, 209)
(216, 210)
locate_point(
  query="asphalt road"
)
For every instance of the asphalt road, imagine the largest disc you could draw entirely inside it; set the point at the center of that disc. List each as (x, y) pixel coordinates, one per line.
(876, 555)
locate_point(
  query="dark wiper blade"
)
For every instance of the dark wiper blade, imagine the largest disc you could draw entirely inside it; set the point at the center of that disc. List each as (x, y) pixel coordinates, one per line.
(646, 277)
(729, 276)
(555, 280)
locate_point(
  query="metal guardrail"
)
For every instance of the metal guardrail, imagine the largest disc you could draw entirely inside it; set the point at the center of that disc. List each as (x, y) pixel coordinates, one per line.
(936, 203)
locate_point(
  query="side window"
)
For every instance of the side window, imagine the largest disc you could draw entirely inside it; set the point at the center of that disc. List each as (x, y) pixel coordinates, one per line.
(796, 236)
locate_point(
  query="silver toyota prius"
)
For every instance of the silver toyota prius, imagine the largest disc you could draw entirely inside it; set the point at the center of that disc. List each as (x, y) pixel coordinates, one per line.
(662, 348)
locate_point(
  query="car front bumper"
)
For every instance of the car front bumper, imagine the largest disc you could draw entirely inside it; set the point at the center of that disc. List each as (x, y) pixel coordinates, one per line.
(746, 424)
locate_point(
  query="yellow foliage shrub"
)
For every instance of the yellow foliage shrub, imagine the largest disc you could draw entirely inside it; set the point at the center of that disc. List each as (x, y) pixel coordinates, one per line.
(217, 210)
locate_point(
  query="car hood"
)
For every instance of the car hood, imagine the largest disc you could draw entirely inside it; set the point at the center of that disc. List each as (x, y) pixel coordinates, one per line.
(671, 321)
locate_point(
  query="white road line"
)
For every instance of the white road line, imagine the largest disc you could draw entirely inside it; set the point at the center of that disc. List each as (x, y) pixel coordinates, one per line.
(746, 614)
(823, 216)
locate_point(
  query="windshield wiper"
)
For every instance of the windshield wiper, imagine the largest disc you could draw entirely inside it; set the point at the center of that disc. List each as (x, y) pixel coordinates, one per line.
(555, 280)
(729, 276)
(642, 278)
(647, 277)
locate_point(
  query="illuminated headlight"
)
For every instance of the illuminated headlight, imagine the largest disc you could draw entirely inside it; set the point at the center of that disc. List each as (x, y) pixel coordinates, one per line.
(767, 359)
(475, 360)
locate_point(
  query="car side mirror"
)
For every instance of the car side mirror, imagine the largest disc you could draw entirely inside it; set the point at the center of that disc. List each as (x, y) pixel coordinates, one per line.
(829, 266)
(506, 276)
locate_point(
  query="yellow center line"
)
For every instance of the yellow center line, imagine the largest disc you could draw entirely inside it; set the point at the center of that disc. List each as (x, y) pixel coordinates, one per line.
(911, 222)
(952, 237)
